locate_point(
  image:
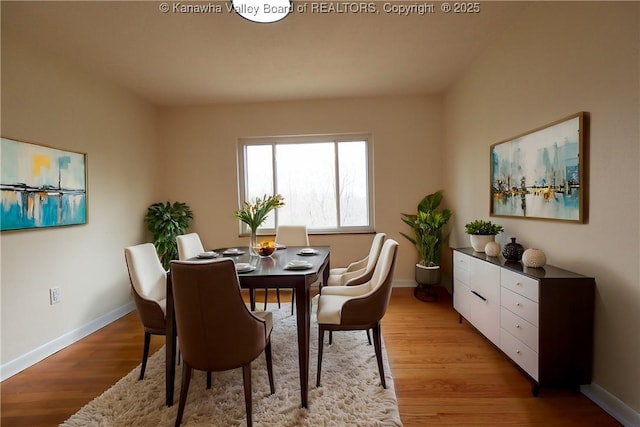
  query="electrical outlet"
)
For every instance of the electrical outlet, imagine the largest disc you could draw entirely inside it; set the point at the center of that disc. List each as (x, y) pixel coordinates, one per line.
(54, 295)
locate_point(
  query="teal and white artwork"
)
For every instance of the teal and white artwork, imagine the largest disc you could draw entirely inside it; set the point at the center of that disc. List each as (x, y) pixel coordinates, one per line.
(540, 174)
(41, 186)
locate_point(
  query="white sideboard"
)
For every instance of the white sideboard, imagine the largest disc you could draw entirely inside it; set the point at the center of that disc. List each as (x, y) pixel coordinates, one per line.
(542, 318)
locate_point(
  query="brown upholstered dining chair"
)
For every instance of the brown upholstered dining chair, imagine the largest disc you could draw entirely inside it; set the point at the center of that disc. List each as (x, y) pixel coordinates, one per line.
(360, 307)
(149, 286)
(216, 329)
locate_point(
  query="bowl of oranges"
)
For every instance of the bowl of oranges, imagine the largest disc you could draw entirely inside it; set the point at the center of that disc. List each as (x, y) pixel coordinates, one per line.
(266, 249)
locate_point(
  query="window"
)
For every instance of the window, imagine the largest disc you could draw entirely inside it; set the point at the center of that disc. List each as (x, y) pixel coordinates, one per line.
(326, 180)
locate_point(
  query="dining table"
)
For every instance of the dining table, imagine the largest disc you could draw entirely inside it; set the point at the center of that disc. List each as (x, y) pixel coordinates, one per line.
(285, 268)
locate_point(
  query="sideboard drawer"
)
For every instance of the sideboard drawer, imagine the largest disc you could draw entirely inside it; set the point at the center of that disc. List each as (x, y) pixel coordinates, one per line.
(520, 284)
(461, 274)
(481, 312)
(520, 305)
(461, 261)
(519, 328)
(526, 358)
(461, 267)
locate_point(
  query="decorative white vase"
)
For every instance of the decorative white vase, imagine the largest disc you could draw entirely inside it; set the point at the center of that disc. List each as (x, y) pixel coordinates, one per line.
(492, 249)
(533, 257)
(479, 241)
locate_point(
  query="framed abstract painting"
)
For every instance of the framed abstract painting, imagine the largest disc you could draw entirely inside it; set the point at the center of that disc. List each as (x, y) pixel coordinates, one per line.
(542, 174)
(41, 186)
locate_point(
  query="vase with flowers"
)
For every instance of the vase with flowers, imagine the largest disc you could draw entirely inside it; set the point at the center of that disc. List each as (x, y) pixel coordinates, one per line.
(255, 213)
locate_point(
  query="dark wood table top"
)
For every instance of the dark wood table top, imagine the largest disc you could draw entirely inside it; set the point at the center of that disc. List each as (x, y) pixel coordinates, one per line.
(274, 266)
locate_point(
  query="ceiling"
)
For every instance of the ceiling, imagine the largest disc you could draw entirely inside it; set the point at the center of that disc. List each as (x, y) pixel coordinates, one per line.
(179, 58)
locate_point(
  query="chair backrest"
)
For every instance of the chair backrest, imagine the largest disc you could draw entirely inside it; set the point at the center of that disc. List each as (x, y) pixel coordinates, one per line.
(374, 252)
(363, 275)
(189, 246)
(372, 306)
(292, 235)
(217, 332)
(148, 277)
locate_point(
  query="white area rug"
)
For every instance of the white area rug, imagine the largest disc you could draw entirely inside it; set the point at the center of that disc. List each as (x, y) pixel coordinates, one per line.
(350, 394)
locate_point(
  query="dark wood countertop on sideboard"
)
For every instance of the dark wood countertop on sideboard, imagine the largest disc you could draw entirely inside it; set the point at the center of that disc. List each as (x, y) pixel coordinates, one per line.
(546, 272)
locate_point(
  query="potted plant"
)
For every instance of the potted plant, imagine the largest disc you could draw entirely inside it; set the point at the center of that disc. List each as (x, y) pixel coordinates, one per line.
(165, 221)
(428, 225)
(255, 214)
(481, 232)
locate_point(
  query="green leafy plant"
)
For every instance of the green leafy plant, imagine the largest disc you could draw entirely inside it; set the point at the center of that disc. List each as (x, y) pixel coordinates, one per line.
(165, 221)
(255, 214)
(484, 228)
(428, 225)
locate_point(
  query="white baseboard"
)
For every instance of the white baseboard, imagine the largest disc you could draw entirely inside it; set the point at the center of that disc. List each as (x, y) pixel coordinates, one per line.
(404, 284)
(21, 363)
(612, 405)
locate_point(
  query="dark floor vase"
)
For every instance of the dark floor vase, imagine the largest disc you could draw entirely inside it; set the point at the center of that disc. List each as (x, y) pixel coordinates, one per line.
(426, 277)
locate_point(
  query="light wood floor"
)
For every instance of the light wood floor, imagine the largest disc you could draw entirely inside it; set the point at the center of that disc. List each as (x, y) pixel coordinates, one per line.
(445, 373)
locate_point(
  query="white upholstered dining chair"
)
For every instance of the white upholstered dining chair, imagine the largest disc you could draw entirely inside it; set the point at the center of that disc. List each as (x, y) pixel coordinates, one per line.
(360, 307)
(189, 246)
(360, 271)
(149, 287)
(289, 235)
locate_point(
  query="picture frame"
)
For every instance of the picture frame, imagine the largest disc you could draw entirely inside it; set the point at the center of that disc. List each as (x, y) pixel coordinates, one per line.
(41, 186)
(542, 174)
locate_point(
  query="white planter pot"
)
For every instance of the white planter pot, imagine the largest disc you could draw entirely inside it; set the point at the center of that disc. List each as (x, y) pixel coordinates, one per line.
(479, 241)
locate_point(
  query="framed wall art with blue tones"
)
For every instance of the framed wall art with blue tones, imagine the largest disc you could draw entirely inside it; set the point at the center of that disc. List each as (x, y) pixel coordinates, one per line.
(41, 186)
(542, 174)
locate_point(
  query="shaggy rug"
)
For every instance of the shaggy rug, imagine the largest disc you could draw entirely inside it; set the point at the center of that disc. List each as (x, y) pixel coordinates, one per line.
(350, 394)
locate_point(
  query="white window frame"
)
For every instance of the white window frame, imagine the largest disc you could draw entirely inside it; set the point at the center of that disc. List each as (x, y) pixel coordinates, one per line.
(308, 139)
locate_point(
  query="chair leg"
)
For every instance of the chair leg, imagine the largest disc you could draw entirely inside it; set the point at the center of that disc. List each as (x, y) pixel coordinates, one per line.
(266, 298)
(369, 336)
(186, 379)
(246, 376)
(293, 299)
(320, 346)
(252, 299)
(145, 354)
(330, 337)
(278, 296)
(267, 354)
(377, 343)
(208, 380)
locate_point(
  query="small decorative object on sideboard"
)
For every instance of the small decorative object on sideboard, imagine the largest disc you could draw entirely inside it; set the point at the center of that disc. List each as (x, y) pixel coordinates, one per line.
(512, 251)
(481, 232)
(533, 257)
(492, 248)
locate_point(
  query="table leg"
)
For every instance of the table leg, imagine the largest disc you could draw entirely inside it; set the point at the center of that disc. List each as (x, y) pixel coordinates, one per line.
(170, 345)
(303, 314)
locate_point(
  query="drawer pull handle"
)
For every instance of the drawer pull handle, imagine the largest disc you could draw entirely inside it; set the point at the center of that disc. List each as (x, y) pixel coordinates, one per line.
(518, 351)
(518, 284)
(518, 304)
(478, 295)
(518, 326)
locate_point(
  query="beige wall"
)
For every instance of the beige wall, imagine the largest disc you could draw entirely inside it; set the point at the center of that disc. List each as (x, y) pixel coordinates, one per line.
(47, 101)
(555, 61)
(558, 60)
(199, 146)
